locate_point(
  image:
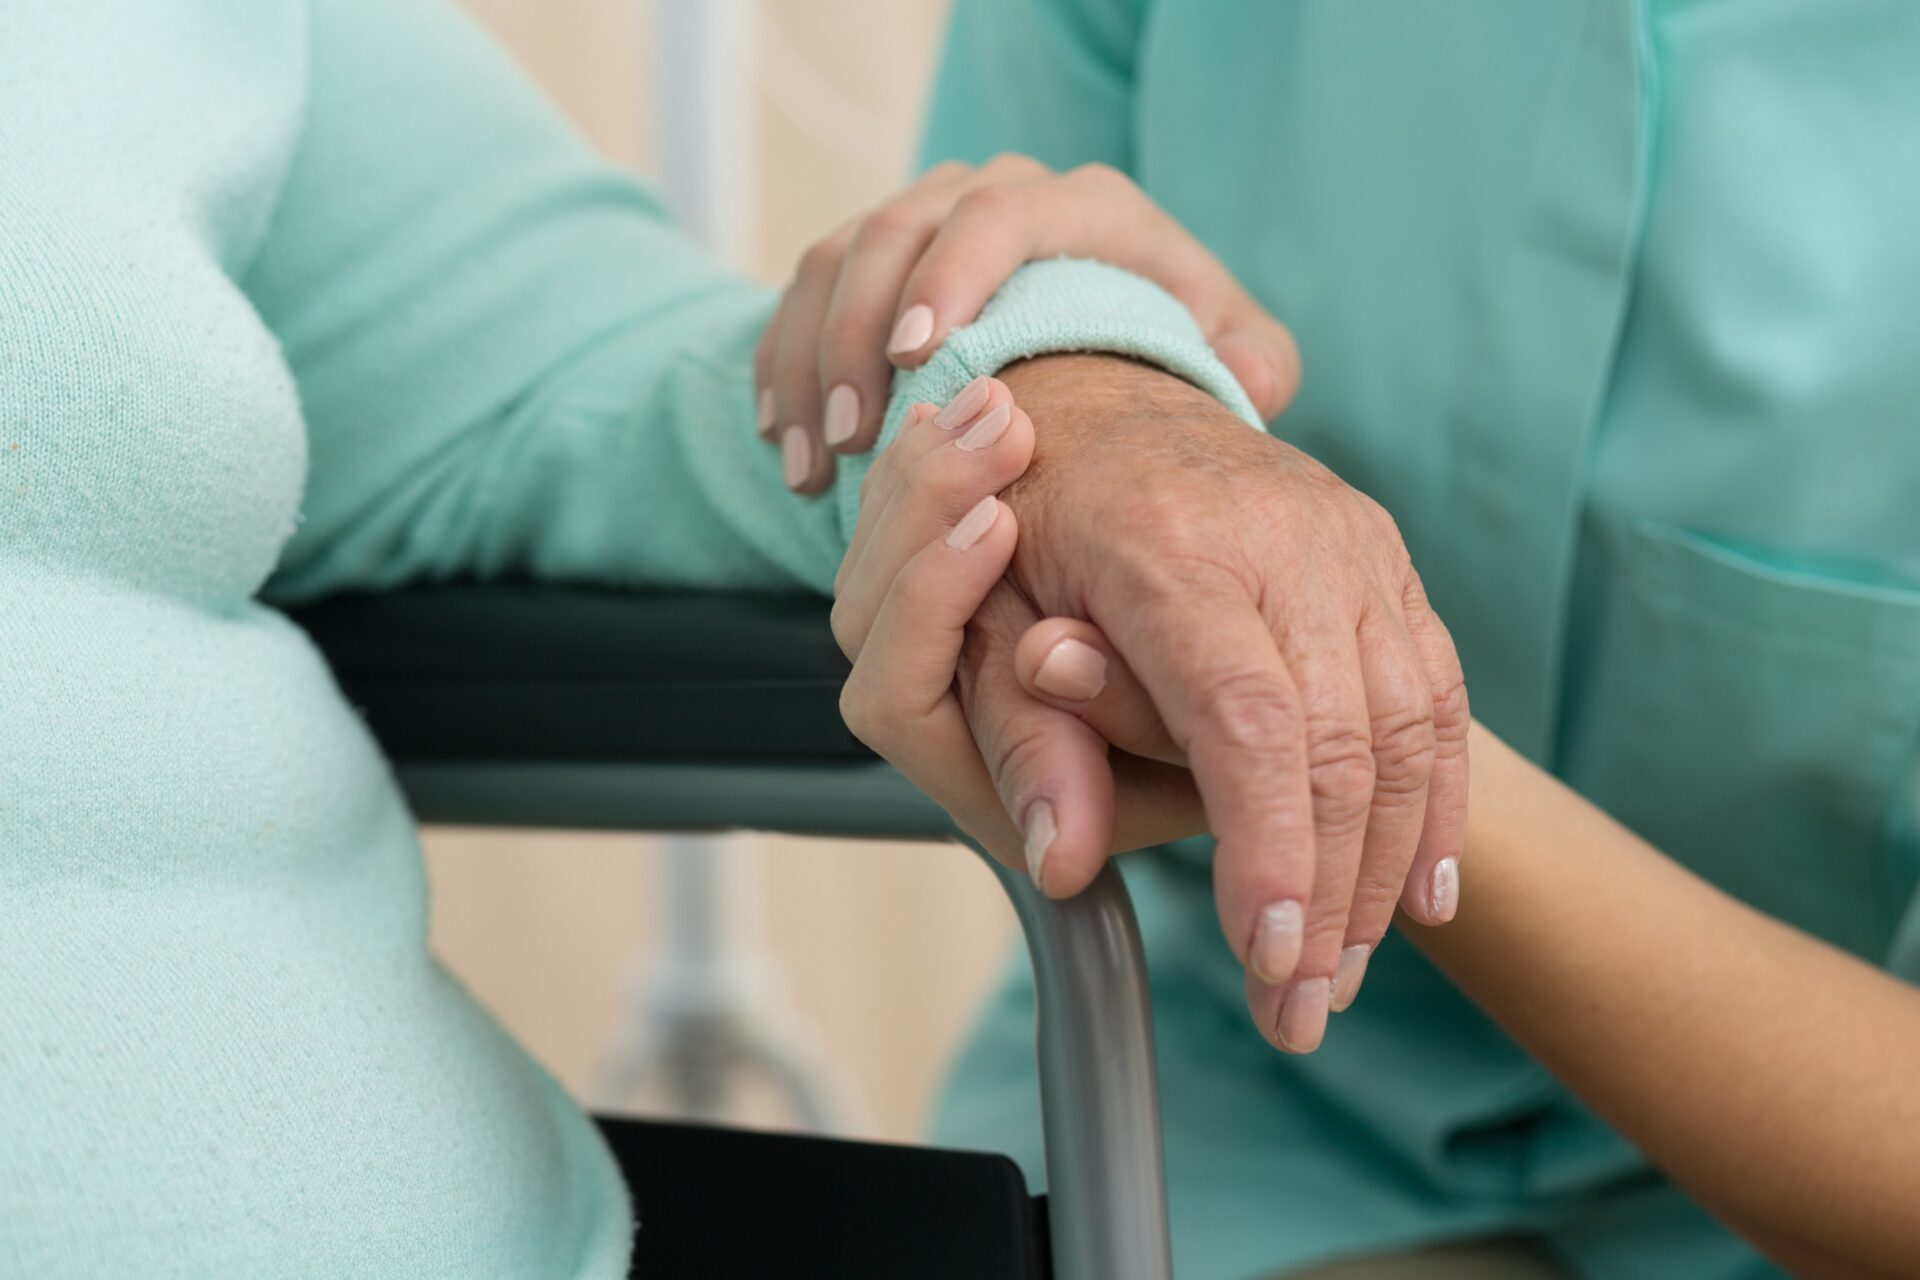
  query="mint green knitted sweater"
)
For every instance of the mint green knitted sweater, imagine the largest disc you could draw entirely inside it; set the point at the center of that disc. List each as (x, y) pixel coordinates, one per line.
(297, 297)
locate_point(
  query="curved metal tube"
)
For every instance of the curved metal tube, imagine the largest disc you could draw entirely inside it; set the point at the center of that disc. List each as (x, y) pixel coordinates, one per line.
(1099, 1097)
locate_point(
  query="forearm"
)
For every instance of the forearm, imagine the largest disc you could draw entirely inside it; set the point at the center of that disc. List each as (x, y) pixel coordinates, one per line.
(1769, 1074)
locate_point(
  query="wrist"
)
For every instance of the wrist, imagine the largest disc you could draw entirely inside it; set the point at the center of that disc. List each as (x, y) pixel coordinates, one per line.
(1098, 422)
(1075, 398)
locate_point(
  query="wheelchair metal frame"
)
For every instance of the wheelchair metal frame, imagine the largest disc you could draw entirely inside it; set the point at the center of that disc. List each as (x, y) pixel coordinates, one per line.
(1106, 1175)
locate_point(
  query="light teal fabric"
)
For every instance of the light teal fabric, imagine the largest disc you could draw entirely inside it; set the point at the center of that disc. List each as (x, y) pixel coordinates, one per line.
(1612, 304)
(299, 297)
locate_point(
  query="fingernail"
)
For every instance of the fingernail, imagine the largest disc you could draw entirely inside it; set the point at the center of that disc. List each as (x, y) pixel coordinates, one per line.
(1303, 1015)
(843, 414)
(972, 398)
(974, 524)
(1040, 832)
(796, 456)
(915, 327)
(1074, 671)
(1443, 892)
(991, 427)
(766, 411)
(1277, 933)
(1349, 975)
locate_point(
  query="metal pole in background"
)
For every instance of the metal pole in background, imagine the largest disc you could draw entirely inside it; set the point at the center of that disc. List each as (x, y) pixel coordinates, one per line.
(704, 120)
(705, 1012)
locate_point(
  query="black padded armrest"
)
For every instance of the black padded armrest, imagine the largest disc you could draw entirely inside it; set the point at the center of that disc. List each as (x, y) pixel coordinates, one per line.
(547, 674)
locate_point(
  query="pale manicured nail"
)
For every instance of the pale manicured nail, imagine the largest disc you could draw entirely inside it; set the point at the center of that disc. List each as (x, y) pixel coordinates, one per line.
(992, 425)
(843, 415)
(972, 398)
(974, 524)
(1349, 975)
(1443, 892)
(766, 411)
(1277, 935)
(1303, 1015)
(1074, 671)
(1040, 830)
(796, 456)
(915, 327)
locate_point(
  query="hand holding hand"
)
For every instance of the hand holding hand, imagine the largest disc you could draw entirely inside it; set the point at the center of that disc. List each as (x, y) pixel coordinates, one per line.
(932, 544)
(1272, 620)
(884, 290)
(1273, 616)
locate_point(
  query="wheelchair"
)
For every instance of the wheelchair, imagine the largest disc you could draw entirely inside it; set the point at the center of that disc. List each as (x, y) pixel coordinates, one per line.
(521, 705)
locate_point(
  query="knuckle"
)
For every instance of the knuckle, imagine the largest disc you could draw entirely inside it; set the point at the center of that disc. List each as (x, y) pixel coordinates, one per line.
(1251, 711)
(946, 171)
(1104, 180)
(1162, 519)
(841, 620)
(1340, 760)
(1450, 709)
(936, 482)
(888, 223)
(910, 482)
(1012, 164)
(993, 203)
(1403, 751)
(858, 711)
(918, 587)
(1379, 522)
(1017, 756)
(823, 257)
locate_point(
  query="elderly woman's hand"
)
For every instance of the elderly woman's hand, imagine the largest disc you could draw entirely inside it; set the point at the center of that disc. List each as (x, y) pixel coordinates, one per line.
(886, 288)
(931, 545)
(906, 609)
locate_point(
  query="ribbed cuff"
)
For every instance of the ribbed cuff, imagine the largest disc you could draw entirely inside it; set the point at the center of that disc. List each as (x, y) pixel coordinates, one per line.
(1066, 304)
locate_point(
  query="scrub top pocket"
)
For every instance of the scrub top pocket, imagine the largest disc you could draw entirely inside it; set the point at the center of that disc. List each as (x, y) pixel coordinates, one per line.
(1759, 724)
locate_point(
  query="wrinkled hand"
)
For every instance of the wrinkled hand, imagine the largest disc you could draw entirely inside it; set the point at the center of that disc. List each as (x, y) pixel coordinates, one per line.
(1273, 617)
(885, 289)
(933, 543)
(1262, 616)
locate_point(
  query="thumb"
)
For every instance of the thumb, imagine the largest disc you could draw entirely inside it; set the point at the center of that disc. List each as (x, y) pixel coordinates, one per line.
(1049, 769)
(1263, 359)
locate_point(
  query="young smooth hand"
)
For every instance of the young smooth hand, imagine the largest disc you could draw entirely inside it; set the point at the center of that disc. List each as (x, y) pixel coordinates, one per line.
(884, 290)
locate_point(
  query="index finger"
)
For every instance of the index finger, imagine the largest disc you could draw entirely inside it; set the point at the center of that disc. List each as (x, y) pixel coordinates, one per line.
(1209, 662)
(1093, 212)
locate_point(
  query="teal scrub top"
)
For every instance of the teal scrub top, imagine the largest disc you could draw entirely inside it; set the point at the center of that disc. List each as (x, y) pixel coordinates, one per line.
(1616, 306)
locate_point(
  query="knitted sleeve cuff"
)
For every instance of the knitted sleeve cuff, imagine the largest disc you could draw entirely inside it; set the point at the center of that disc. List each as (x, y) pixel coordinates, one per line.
(1065, 304)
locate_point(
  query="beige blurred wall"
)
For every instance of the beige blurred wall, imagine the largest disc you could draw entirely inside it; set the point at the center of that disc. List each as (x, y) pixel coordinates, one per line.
(836, 97)
(882, 950)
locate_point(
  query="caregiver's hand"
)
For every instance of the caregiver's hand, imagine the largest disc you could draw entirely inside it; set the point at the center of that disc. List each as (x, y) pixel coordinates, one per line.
(890, 286)
(1272, 615)
(933, 543)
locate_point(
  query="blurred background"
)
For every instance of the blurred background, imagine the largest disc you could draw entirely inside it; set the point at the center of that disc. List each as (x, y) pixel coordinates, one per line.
(871, 957)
